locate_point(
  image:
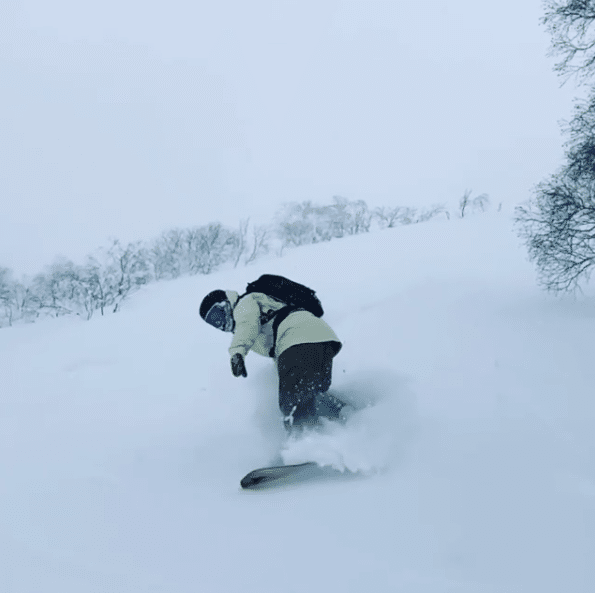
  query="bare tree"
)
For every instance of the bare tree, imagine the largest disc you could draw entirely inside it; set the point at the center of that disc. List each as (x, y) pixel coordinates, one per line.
(191, 257)
(303, 223)
(127, 269)
(558, 224)
(324, 225)
(216, 246)
(58, 290)
(350, 217)
(432, 212)
(572, 37)
(387, 216)
(25, 302)
(167, 254)
(340, 216)
(241, 241)
(260, 243)
(99, 291)
(481, 202)
(408, 215)
(559, 231)
(464, 202)
(7, 295)
(359, 217)
(294, 225)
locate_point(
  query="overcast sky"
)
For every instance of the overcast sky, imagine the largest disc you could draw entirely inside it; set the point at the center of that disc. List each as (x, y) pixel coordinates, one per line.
(123, 118)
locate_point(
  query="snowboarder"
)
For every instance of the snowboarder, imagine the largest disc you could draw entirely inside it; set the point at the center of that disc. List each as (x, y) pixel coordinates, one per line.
(302, 345)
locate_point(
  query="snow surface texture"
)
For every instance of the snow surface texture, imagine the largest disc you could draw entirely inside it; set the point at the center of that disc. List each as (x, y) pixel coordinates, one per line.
(123, 439)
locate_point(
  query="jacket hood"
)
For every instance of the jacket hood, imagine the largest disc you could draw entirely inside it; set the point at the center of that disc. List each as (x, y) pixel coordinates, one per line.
(233, 297)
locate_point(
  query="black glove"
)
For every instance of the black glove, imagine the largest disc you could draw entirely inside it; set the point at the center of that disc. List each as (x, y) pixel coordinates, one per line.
(238, 368)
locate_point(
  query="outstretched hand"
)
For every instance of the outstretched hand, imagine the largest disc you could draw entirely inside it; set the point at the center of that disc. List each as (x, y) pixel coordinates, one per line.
(238, 368)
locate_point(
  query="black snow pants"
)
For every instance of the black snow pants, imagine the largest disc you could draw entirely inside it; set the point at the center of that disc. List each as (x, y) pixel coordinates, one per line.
(305, 372)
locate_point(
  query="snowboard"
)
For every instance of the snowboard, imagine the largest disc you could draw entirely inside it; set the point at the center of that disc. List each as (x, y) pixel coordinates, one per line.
(276, 476)
(283, 475)
(279, 474)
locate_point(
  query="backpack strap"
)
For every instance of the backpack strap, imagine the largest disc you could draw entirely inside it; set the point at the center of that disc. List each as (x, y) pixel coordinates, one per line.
(264, 317)
(280, 316)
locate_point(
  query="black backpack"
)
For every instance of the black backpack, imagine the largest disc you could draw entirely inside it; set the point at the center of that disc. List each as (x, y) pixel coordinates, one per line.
(289, 292)
(295, 296)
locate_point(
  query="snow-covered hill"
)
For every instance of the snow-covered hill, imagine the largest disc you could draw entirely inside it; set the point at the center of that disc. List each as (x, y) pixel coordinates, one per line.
(123, 439)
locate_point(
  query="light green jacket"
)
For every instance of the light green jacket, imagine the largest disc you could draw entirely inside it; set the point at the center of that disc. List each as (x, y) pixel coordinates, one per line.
(301, 327)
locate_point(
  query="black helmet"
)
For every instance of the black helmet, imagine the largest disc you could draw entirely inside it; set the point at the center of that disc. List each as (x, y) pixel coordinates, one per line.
(215, 309)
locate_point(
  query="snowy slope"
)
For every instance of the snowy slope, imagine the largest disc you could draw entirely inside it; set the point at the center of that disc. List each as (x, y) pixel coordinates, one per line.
(123, 439)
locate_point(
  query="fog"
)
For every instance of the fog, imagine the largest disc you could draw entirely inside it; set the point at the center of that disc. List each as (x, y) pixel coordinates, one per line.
(124, 118)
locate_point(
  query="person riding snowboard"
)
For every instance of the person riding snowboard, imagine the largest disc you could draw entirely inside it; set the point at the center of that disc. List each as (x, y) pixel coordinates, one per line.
(280, 318)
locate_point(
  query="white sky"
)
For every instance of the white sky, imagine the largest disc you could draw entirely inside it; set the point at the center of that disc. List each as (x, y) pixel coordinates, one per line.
(126, 117)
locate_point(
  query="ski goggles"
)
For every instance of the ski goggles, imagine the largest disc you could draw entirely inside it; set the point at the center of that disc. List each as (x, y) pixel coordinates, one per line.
(220, 316)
